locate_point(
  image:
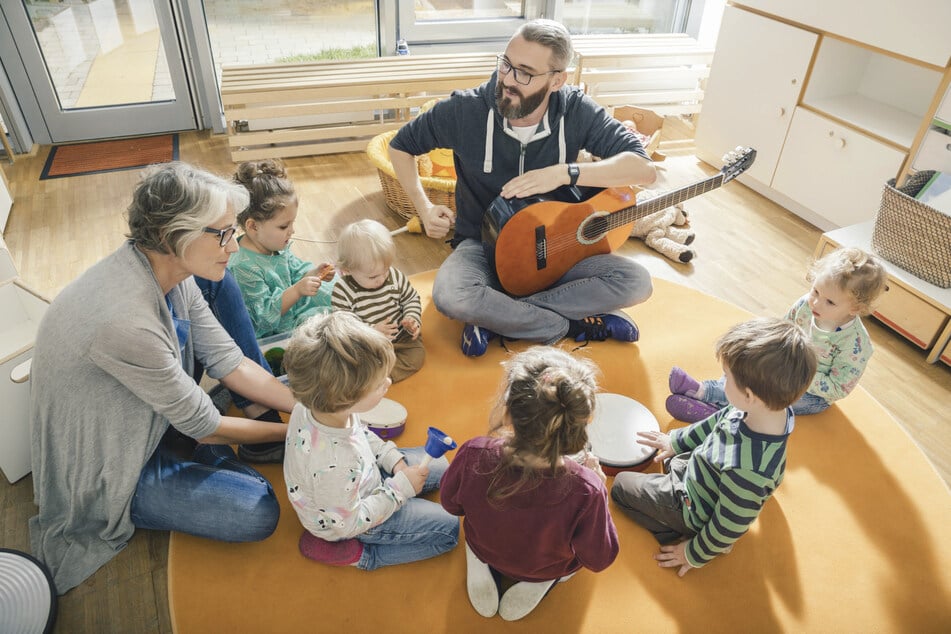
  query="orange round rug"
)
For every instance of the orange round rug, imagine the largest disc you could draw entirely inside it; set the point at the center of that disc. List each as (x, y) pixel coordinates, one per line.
(855, 539)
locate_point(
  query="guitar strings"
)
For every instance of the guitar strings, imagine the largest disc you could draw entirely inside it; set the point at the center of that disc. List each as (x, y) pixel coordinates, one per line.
(568, 241)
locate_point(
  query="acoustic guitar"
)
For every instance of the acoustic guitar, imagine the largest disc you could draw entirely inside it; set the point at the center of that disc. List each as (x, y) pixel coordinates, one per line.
(532, 242)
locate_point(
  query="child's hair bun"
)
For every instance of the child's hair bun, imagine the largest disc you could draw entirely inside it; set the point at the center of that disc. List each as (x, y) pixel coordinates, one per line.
(250, 170)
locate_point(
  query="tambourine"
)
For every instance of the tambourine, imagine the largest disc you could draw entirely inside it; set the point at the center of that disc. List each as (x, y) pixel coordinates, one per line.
(613, 434)
(387, 420)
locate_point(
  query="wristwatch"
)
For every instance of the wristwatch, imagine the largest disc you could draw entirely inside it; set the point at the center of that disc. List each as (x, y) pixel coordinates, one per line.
(573, 173)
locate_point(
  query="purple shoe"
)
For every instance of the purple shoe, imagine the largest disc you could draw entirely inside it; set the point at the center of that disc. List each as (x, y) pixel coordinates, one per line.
(689, 410)
(682, 383)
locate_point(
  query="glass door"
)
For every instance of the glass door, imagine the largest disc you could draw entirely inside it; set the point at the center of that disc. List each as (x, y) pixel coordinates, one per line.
(102, 68)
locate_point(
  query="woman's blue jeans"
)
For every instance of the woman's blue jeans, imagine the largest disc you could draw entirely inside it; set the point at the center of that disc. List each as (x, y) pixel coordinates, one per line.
(714, 394)
(204, 491)
(419, 530)
(226, 302)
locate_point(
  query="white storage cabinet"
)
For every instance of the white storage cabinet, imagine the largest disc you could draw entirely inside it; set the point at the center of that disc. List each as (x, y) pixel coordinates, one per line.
(19, 321)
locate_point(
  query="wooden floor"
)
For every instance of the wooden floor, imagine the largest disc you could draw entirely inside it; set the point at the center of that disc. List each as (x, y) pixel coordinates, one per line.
(750, 252)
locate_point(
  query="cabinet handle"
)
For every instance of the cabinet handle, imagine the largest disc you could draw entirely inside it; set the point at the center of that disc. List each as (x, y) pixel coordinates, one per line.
(838, 142)
(794, 81)
(21, 373)
(948, 147)
(782, 111)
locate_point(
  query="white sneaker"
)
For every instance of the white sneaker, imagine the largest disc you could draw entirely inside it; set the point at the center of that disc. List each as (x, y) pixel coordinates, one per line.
(519, 600)
(483, 591)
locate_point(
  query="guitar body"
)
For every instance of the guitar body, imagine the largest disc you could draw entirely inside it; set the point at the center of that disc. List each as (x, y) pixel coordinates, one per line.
(533, 244)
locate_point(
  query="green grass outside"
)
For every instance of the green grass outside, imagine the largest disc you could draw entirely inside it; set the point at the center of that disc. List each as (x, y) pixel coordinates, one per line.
(354, 52)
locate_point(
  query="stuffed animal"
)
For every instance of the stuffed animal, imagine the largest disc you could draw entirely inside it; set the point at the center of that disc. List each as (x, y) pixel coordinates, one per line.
(663, 231)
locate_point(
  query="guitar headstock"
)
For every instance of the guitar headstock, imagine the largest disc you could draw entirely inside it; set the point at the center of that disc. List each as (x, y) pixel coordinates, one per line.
(737, 161)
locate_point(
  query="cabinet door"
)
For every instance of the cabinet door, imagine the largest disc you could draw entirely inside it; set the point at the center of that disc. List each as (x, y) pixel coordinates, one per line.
(834, 171)
(754, 84)
(916, 28)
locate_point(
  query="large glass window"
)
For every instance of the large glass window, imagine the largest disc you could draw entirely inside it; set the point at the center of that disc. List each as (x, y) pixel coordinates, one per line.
(102, 52)
(583, 17)
(264, 31)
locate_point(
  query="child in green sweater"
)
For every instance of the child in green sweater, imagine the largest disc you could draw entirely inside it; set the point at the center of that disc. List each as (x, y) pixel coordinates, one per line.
(280, 290)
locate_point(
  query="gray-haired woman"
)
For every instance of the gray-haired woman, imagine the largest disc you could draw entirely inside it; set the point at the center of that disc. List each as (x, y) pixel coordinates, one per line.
(114, 394)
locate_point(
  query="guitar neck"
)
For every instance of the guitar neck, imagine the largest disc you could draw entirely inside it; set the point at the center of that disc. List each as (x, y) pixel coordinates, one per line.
(627, 215)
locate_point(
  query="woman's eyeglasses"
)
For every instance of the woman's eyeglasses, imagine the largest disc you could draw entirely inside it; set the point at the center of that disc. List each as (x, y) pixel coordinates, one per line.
(520, 76)
(224, 235)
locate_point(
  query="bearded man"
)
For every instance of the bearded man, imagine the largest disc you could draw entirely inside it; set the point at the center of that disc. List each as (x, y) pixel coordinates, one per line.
(517, 136)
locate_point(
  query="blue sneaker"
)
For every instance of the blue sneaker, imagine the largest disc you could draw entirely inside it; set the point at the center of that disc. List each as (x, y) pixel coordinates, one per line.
(475, 340)
(613, 325)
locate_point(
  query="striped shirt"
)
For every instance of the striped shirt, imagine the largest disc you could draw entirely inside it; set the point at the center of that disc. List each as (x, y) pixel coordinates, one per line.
(394, 301)
(731, 472)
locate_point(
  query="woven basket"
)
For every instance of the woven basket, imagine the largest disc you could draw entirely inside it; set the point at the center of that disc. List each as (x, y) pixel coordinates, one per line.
(441, 191)
(913, 235)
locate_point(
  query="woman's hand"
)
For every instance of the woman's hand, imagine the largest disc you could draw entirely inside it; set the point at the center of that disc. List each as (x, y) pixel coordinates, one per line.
(657, 440)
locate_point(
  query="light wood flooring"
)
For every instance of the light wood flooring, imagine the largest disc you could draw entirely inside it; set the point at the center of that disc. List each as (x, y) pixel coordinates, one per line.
(750, 252)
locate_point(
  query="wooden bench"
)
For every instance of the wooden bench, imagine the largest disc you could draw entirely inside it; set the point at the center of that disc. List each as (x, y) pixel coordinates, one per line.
(302, 109)
(663, 73)
(284, 110)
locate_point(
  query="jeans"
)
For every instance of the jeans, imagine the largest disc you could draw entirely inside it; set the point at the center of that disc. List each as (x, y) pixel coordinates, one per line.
(420, 529)
(203, 491)
(714, 394)
(226, 302)
(467, 289)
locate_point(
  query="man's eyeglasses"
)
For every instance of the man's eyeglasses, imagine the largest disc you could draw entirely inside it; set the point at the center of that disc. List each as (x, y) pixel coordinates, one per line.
(520, 76)
(224, 235)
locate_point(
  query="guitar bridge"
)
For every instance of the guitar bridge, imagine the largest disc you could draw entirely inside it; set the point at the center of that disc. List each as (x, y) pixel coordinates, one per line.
(541, 248)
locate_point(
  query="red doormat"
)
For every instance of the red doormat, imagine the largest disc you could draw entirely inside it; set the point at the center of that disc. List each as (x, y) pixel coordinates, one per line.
(109, 156)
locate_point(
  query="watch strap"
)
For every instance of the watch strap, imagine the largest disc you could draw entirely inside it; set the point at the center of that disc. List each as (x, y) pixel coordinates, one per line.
(573, 172)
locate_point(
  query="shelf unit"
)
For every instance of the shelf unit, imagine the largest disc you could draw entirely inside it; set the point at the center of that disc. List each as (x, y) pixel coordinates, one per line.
(832, 116)
(915, 309)
(934, 151)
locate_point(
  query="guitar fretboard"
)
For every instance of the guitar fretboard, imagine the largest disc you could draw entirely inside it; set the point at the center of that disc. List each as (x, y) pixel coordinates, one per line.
(627, 215)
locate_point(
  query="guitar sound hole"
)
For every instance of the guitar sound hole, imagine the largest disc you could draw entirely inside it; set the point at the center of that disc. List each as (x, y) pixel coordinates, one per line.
(593, 229)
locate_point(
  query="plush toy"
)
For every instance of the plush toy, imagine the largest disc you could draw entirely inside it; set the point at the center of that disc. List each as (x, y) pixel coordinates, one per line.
(663, 231)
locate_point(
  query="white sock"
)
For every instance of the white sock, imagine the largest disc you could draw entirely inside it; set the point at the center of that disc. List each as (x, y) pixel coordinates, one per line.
(481, 586)
(519, 600)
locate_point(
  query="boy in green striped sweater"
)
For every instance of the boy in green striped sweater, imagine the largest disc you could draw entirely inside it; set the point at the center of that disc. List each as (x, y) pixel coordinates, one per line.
(724, 468)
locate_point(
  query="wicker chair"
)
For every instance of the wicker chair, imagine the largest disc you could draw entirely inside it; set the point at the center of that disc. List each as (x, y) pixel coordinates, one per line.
(441, 191)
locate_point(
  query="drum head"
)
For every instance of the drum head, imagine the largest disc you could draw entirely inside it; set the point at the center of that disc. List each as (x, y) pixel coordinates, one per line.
(613, 432)
(386, 414)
